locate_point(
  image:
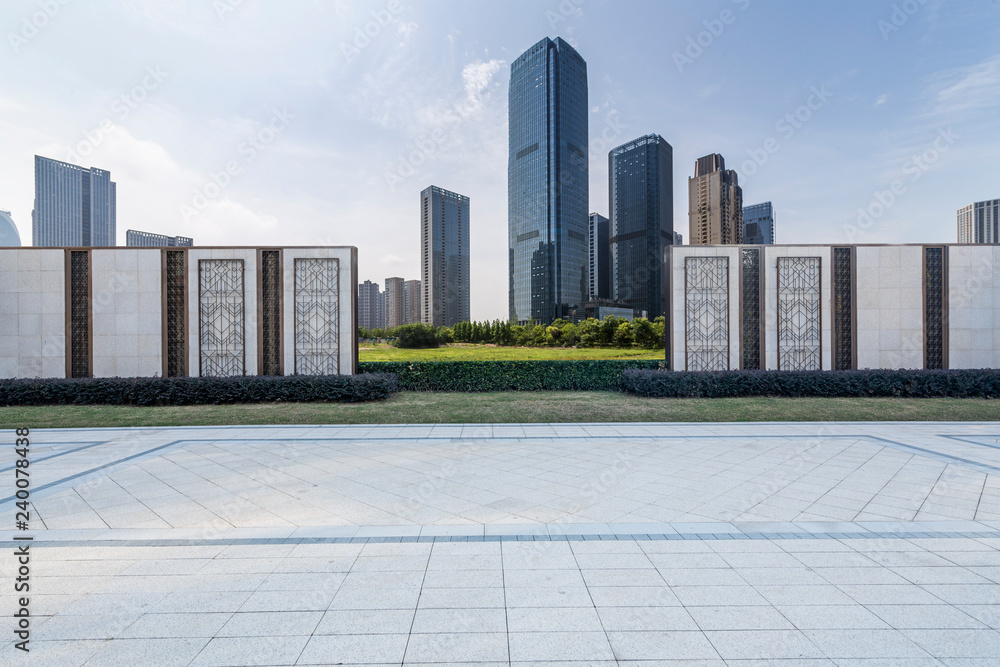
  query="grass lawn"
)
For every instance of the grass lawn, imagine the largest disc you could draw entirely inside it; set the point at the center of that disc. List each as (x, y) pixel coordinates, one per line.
(467, 352)
(507, 407)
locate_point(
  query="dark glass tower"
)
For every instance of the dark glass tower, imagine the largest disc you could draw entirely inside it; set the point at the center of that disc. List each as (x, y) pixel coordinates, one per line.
(641, 195)
(547, 182)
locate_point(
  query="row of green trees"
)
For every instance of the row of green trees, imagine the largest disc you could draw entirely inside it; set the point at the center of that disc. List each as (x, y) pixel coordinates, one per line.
(610, 332)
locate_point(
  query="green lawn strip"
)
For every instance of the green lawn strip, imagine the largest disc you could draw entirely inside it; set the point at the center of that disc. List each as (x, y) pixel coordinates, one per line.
(463, 352)
(510, 407)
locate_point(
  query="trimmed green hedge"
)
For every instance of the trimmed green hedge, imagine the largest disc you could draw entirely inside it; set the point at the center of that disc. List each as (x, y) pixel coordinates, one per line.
(197, 390)
(903, 383)
(469, 376)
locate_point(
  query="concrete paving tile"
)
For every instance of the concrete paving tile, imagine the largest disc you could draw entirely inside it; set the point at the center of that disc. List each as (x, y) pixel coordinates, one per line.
(177, 625)
(457, 647)
(561, 596)
(354, 649)
(925, 616)
(146, 651)
(461, 598)
(763, 644)
(641, 619)
(365, 622)
(247, 651)
(554, 646)
(59, 653)
(955, 643)
(653, 645)
(739, 618)
(553, 619)
(832, 617)
(719, 595)
(280, 601)
(93, 626)
(448, 621)
(866, 644)
(255, 624)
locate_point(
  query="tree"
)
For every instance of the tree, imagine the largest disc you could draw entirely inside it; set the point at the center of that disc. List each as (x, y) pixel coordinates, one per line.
(623, 335)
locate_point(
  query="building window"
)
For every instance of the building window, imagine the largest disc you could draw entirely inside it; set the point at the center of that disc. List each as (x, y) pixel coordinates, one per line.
(799, 314)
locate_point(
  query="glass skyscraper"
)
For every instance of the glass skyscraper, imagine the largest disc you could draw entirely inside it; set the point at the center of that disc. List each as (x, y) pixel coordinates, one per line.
(600, 257)
(641, 200)
(74, 206)
(444, 253)
(979, 222)
(758, 224)
(547, 183)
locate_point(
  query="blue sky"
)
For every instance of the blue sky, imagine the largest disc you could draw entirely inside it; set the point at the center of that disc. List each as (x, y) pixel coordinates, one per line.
(253, 122)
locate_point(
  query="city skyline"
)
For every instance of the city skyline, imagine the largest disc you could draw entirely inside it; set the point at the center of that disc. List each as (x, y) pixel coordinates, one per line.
(342, 132)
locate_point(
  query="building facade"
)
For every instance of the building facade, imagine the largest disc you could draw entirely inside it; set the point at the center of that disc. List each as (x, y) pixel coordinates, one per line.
(758, 224)
(444, 258)
(599, 257)
(833, 307)
(371, 306)
(137, 239)
(979, 222)
(411, 299)
(170, 312)
(547, 182)
(9, 236)
(715, 203)
(641, 205)
(73, 206)
(395, 302)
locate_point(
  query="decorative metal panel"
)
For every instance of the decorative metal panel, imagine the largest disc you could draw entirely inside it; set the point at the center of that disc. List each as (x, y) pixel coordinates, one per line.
(270, 312)
(79, 314)
(934, 308)
(750, 287)
(221, 317)
(706, 307)
(843, 312)
(176, 314)
(317, 316)
(798, 314)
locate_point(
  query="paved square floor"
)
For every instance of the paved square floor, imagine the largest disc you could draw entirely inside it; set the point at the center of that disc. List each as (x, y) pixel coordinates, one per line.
(561, 544)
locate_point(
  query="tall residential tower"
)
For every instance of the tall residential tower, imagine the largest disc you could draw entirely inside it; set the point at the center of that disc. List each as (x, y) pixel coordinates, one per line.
(444, 255)
(979, 222)
(73, 206)
(715, 203)
(547, 182)
(641, 202)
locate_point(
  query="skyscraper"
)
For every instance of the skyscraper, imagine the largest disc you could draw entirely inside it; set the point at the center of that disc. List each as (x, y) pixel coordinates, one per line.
(641, 203)
(599, 251)
(411, 302)
(395, 302)
(758, 224)
(137, 239)
(370, 305)
(547, 182)
(444, 251)
(979, 222)
(73, 206)
(9, 236)
(715, 203)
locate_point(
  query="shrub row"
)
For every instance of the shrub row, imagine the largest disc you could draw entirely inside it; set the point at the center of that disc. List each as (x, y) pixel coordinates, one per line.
(903, 383)
(598, 375)
(197, 390)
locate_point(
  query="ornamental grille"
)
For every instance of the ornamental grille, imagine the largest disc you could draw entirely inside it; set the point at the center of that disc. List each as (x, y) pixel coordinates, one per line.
(176, 314)
(221, 315)
(270, 313)
(934, 308)
(706, 307)
(751, 308)
(843, 315)
(317, 317)
(798, 314)
(79, 314)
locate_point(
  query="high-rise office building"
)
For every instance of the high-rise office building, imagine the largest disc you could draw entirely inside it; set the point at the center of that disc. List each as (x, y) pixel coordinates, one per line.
(411, 302)
(758, 224)
(395, 302)
(547, 183)
(678, 238)
(73, 206)
(715, 203)
(599, 251)
(137, 239)
(444, 253)
(641, 203)
(9, 236)
(370, 305)
(979, 222)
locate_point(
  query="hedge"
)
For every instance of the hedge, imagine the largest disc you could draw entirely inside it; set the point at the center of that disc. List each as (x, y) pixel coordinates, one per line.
(471, 376)
(197, 390)
(903, 383)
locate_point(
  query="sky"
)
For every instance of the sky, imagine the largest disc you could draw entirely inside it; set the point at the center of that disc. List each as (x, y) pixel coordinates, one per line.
(248, 122)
